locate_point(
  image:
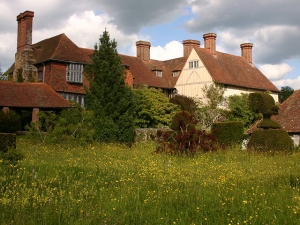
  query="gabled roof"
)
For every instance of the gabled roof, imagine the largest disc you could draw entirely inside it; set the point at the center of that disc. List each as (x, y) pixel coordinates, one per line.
(289, 113)
(30, 95)
(144, 71)
(234, 70)
(59, 48)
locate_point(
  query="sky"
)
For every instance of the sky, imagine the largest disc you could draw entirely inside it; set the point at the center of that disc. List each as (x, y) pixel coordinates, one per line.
(271, 25)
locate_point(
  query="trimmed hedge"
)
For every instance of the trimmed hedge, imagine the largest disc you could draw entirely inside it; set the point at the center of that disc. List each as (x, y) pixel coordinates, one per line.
(7, 141)
(229, 133)
(270, 140)
(10, 122)
(263, 103)
(268, 124)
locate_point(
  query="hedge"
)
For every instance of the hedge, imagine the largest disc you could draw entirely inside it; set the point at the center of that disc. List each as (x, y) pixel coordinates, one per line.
(7, 141)
(229, 133)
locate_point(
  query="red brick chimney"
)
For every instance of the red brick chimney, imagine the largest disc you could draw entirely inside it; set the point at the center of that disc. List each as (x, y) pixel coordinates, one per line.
(24, 58)
(188, 45)
(210, 42)
(143, 50)
(246, 49)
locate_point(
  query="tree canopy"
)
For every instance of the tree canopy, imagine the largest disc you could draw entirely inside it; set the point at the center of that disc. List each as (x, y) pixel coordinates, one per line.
(109, 97)
(286, 91)
(153, 108)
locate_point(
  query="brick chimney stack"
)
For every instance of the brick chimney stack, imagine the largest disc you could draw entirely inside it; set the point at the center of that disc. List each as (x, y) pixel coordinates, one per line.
(143, 50)
(24, 58)
(188, 45)
(246, 49)
(210, 42)
(24, 30)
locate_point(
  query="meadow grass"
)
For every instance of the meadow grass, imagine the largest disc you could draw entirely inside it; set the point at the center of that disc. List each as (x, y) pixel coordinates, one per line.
(111, 184)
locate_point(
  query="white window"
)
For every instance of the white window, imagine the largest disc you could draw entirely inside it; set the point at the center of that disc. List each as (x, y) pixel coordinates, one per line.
(175, 73)
(158, 73)
(194, 64)
(74, 97)
(74, 73)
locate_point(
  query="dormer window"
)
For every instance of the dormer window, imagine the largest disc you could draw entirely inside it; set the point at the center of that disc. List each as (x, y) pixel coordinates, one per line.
(74, 73)
(175, 73)
(158, 73)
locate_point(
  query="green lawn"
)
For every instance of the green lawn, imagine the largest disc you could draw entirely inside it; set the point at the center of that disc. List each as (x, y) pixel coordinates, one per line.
(109, 184)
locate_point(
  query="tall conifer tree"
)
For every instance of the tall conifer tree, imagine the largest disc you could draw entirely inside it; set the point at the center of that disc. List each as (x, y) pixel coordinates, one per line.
(109, 97)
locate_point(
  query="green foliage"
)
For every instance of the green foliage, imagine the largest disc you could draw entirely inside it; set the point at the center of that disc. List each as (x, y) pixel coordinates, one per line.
(229, 133)
(109, 97)
(183, 120)
(153, 108)
(7, 141)
(186, 103)
(263, 103)
(271, 140)
(10, 122)
(185, 139)
(239, 110)
(268, 124)
(11, 157)
(214, 95)
(208, 110)
(71, 126)
(286, 91)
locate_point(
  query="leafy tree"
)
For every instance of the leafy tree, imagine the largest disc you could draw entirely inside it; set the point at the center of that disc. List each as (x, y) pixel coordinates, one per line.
(286, 91)
(109, 97)
(239, 110)
(208, 109)
(153, 108)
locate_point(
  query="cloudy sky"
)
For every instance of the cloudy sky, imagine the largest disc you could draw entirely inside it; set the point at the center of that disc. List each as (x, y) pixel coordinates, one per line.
(271, 25)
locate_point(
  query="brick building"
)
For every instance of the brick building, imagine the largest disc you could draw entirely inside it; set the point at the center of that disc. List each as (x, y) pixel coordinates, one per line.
(59, 63)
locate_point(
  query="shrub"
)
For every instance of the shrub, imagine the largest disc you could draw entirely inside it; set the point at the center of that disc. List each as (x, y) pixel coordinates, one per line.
(268, 124)
(229, 133)
(185, 103)
(263, 103)
(270, 140)
(185, 138)
(7, 141)
(183, 120)
(10, 122)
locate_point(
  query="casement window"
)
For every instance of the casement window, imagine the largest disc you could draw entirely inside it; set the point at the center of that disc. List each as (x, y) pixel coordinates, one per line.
(194, 64)
(175, 73)
(74, 73)
(40, 76)
(158, 73)
(74, 97)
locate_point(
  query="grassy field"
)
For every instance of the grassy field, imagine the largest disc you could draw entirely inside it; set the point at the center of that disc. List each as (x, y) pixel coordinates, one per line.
(109, 184)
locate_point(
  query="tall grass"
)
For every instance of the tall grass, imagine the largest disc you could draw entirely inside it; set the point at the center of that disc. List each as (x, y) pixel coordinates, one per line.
(110, 184)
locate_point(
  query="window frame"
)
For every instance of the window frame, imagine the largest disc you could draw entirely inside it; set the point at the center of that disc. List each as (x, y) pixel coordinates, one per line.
(74, 73)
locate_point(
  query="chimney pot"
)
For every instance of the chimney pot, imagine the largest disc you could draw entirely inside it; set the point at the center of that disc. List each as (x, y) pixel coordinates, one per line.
(188, 45)
(210, 42)
(143, 50)
(246, 50)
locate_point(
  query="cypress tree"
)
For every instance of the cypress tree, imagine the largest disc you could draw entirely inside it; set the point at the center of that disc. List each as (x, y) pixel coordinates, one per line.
(109, 97)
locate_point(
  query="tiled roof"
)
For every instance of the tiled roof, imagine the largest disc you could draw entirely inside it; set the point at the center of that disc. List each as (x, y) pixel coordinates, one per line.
(289, 113)
(59, 48)
(234, 70)
(30, 95)
(144, 72)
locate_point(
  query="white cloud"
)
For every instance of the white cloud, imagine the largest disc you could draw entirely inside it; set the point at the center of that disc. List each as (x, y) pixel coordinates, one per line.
(171, 50)
(275, 72)
(294, 83)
